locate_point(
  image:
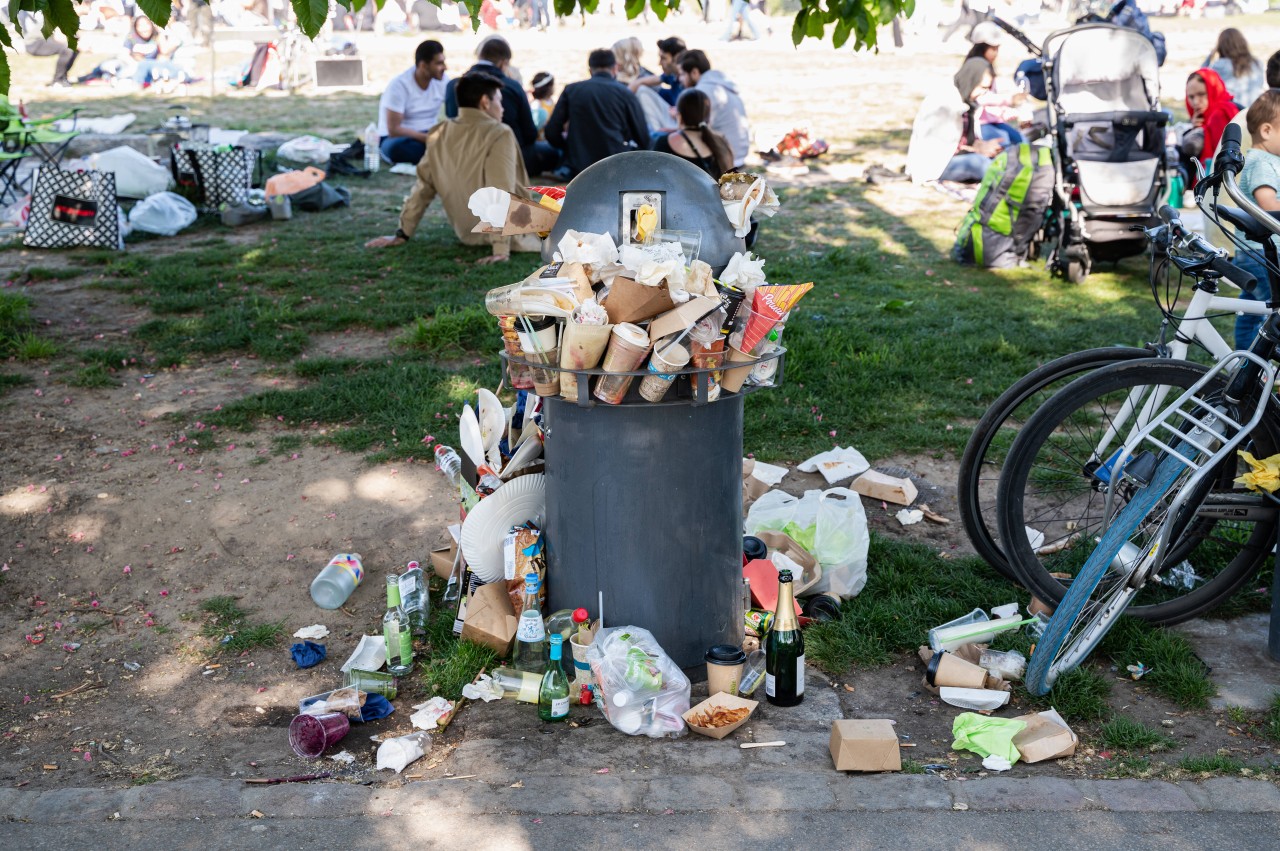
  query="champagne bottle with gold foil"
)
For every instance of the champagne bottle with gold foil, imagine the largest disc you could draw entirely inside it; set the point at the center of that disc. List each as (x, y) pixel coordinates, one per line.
(784, 650)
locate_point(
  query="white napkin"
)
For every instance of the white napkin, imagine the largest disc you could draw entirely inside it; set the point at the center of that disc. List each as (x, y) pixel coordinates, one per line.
(652, 264)
(485, 688)
(743, 271)
(399, 752)
(490, 206)
(428, 714)
(836, 464)
(312, 633)
(595, 250)
(590, 313)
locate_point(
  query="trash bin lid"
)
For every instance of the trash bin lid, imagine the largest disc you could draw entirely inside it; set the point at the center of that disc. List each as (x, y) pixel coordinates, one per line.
(601, 198)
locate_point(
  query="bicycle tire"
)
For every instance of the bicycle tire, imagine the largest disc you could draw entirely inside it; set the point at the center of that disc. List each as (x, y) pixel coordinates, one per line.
(1223, 553)
(1047, 661)
(988, 445)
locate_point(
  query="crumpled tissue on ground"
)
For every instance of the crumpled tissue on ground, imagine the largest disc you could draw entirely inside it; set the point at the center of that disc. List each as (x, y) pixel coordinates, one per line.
(427, 715)
(484, 688)
(312, 633)
(399, 752)
(836, 464)
(909, 516)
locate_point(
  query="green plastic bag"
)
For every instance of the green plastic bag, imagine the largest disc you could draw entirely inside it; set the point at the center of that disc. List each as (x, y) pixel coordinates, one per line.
(986, 736)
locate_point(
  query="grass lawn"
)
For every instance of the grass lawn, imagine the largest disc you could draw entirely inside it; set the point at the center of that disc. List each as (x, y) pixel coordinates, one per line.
(897, 351)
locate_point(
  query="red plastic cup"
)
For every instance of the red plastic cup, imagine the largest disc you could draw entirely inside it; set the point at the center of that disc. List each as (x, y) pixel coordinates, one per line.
(311, 735)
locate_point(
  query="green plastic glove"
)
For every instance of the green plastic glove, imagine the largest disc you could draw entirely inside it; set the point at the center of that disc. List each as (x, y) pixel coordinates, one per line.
(985, 736)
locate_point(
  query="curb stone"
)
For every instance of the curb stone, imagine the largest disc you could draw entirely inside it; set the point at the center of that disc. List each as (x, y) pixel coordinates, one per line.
(213, 799)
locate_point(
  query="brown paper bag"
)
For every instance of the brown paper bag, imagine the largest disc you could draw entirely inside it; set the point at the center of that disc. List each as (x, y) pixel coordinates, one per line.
(490, 620)
(581, 347)
(629, 301)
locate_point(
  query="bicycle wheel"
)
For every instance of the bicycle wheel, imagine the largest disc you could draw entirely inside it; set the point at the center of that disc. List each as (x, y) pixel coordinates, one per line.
(988, 446)
(1054, 489)
(1099, 593)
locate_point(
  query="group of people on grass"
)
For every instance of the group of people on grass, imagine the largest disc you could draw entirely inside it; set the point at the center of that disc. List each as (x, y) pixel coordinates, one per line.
(484, 129)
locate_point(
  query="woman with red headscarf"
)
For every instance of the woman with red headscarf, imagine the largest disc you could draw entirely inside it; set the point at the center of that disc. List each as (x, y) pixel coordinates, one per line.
(1210, 107)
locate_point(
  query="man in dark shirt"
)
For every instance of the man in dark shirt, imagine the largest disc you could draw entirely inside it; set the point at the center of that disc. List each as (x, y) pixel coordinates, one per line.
(668, 82)
(597, 117)
(494, 59)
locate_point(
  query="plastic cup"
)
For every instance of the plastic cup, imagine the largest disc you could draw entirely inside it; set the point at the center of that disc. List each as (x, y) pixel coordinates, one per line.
(733, 378)
(311, 735)
(628, 346)
(373, 682)
(281, 207)
(724, 668)
(520, 376)
(664, 364)
(708, 356)
(546, 380)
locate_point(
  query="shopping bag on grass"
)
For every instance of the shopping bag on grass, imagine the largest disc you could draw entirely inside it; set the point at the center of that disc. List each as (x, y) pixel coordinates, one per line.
(221, 174)
(74, 208)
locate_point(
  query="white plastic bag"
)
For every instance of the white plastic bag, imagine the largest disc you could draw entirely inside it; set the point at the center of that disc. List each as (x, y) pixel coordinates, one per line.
(829, 524)
(137, 175)
(164, 213)
(642, 691)
(311, 150)
(840, 543)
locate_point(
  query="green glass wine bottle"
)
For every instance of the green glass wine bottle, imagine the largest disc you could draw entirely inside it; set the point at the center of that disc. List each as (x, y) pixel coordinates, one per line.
(553, 695)
(784, 650)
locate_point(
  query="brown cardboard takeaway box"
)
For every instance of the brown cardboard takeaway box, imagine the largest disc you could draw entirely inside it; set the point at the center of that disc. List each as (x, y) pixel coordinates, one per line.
(865, 745)
(490, 620)
(727, 701)
(523, 216)
(683, 317)
(1046, 736)
(442, 559)
(629, 301)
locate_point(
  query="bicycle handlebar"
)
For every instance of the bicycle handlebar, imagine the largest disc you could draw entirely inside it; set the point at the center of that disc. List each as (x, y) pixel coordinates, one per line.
(1214, 260)
(1227, 165)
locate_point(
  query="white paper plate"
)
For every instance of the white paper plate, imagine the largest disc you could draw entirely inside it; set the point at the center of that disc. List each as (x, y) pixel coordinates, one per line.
(510, 505)
(469, 436)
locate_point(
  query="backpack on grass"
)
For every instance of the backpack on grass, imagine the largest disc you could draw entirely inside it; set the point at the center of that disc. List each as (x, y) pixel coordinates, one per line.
(1008, 211)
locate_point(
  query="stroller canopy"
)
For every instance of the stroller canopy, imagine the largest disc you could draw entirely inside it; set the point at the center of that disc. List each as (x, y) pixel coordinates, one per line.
(1102, 68)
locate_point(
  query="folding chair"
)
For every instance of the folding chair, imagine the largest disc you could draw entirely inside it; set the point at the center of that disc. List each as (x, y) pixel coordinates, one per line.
(37, 136)
(11, 188)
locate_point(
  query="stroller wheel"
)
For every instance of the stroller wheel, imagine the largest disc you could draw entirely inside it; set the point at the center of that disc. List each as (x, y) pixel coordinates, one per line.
(1076, 270)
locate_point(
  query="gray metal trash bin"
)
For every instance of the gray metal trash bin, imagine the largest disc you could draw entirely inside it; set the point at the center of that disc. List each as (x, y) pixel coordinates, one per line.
(644, 501)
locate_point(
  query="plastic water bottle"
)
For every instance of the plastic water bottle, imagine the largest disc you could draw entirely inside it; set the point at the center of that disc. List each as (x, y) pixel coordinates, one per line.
(333, 585)
(372, 154)
(448, 462)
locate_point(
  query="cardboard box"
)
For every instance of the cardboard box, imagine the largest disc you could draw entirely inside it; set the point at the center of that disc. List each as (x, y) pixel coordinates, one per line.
(1046, 736)
(442, 559)
(726, 701)
(523, 216)
(888, 488)
(810, 570)
(490, 620)
(865, 745)
(631, 302)
(683, 317)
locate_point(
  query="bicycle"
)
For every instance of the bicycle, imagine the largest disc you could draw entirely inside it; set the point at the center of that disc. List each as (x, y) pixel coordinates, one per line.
(984, 455)
(1169, 486)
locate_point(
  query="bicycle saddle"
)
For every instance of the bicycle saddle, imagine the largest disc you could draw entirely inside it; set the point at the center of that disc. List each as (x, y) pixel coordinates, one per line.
(1245, 223)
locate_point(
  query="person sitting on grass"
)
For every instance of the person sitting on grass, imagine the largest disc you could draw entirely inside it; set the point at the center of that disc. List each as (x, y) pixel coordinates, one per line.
(695, 141)
(411, 104)
(470, 152)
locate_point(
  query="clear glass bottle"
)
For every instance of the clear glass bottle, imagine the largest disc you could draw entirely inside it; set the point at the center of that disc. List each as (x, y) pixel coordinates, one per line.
(396, 631)
(531, 634)
(553, 694)
(518, 684)
(784, 650)
(414, 599)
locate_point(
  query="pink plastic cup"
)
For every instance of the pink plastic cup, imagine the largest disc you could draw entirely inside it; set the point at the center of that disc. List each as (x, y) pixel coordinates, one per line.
(311, 735)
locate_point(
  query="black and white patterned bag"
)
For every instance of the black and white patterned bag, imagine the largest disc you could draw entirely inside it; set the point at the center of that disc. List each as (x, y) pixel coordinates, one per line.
(74, 208)
(221, 174)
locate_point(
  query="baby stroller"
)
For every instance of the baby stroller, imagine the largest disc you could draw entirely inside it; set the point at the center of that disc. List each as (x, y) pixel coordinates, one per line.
(1107, 133)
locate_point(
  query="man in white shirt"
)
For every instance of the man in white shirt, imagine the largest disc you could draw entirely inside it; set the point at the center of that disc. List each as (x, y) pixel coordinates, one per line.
(411, 105)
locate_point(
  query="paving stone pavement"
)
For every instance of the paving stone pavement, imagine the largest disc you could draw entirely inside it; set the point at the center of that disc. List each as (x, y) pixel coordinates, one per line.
(205, 799)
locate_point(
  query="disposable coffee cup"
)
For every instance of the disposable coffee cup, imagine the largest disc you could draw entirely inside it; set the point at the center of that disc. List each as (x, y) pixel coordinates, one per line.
(724, 668)
(628, 346)
(733, 378)
(546, 379)
(582, 671)
(663, 366)
(947, 669)
(537, 337)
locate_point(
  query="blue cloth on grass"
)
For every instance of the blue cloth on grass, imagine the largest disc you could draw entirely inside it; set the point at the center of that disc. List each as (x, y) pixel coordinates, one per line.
(375, 706)
(307, 654)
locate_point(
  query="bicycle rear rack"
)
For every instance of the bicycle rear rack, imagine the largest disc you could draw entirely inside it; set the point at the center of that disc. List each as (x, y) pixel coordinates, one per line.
(1187, 430)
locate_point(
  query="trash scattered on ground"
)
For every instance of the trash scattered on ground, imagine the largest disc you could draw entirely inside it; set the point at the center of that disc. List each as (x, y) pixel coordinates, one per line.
(426, 716)
(399, 752)
(312, 633)
(874, 485)
(307, 654)
(485, 688)
(133, 667)
(865, 745)
(986, 736)
(995, 762)
(932, 516)
(836, 464)
(909, 516)
(974, 699)
(1045, 736)
(1137, 671)
(370, 654)
(344, 757)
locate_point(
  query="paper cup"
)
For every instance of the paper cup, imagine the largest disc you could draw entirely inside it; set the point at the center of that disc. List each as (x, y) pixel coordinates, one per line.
(546, 381)
(582, 670)
(581, 347)
(537, 336)
(664, 365)
(628, 346)
(724, 668)
(947, 669)
(733, 378)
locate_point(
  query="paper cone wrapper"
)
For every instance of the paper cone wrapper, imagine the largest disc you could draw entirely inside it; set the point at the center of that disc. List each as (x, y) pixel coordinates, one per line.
(733, 378)
(581, 347)
(769, 304)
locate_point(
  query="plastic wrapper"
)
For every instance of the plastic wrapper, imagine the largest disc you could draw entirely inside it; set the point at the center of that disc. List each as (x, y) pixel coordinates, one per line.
(652, 264)
(642, 691)
(399, 752)
(830, 524)
(163, 213)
